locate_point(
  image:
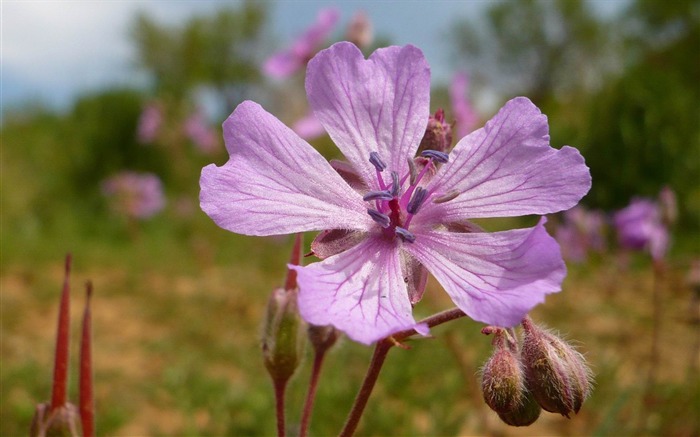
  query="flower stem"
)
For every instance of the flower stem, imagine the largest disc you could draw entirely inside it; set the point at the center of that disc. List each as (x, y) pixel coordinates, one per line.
(375, 366)
(656, 323)
(60, 370)
(380, 352)
(280, 388)
(87, 402)
(311, 394)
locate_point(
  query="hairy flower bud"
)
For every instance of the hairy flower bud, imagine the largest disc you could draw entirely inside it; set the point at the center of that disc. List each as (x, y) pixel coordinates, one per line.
(322, 338)
(283, 338)
(524, 414)
(556, 373)
(503, 382)
(438, 134)
(63, 421)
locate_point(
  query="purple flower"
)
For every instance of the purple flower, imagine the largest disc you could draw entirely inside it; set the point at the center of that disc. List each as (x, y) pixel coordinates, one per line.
(308, 127)
(384, 219)
(149, 123)
(581, 232)
(290, 60)
(462, 109)
(136, 195)
(359, 30)
(639, 227)
(200, 133)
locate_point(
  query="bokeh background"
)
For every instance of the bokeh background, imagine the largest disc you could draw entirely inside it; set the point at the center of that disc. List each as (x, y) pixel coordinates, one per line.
(111, 109)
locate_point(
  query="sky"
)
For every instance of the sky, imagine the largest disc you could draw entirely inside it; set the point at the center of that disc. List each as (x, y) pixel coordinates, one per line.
(56, 50)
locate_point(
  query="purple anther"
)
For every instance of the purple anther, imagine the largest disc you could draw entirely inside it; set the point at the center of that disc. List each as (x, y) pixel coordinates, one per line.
(395, 184)
(378, 195)
(417, 200)
(405, 235)
(380, 218)
(376, 161)
(440, 157)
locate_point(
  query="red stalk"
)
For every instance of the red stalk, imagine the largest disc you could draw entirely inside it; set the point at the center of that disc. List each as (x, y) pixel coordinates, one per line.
(291, 282)
(60, 370)
(86, 400)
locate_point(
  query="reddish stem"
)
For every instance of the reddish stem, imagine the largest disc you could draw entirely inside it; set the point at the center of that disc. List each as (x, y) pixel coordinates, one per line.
(375, 366)
(87, 403)
(280, 388)
(311, 394)
(291, 282)
(60, 369)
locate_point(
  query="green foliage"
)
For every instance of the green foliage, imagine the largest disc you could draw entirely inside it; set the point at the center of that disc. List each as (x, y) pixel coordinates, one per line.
(219, 51)
(536, 48)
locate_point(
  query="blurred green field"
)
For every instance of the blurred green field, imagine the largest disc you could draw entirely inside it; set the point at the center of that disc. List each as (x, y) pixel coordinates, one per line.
(176, 346)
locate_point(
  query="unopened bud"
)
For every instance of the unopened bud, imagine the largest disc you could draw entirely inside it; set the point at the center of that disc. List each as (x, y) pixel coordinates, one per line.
(322, 338)
(556, 373)
(503, 382)
(63, 421)
(438, 134)
(283, 335)
(525, 414)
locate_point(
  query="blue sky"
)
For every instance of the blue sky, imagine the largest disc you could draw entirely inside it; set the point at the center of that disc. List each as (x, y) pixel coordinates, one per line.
(54, 50)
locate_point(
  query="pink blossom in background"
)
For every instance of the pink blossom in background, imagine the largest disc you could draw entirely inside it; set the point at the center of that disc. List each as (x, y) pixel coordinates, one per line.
(149, 123)
(286, 62)
(360, 30)
(383, 222)
(464, 113)
(581, 232)
(202, 135)
(308, 127)
(669, 205)
(135, 195)
(639, 226)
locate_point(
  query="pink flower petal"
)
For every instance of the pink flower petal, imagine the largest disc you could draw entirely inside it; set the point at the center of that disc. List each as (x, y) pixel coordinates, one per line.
(462, 110)
(508, 168)
(308, 127)
(360, 291)
(286, 62)
(275, 182)
(375, 105)
(495, 278)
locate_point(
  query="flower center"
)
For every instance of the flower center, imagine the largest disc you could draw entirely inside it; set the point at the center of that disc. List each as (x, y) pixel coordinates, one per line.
(394, 208)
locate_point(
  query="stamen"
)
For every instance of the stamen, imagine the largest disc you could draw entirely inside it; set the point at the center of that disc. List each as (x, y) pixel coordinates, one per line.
(417, 200)
(405, 235)
(383, 219)
(412, 171)
(376, 161)
(435, 155)
(377, 195)
(446, 197)
(395, 185)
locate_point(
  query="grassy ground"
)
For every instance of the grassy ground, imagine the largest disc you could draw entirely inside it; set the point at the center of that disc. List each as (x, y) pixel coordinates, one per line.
(176, 347)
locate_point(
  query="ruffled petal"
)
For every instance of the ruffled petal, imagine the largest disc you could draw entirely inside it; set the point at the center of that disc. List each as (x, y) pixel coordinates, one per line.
(495, 278)
(275, 182)
(374, 105)
(360, 291)
(508, 168)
